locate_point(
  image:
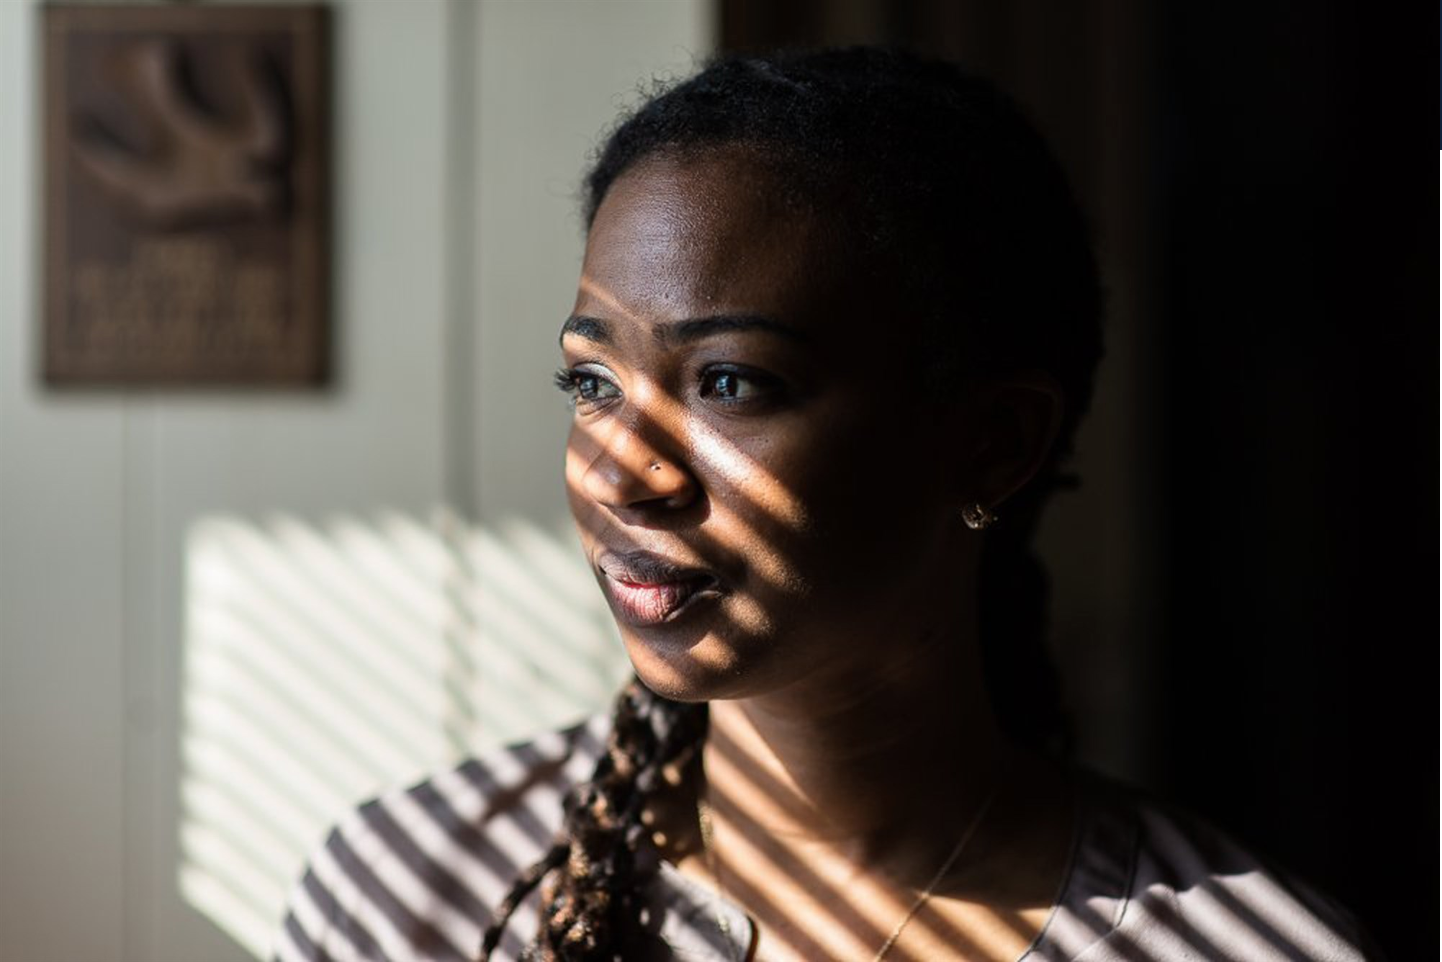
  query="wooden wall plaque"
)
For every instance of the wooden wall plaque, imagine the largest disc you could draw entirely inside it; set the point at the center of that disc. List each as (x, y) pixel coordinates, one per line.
(187, 195)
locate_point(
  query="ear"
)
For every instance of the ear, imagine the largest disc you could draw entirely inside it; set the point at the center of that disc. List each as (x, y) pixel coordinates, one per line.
(1015, 421)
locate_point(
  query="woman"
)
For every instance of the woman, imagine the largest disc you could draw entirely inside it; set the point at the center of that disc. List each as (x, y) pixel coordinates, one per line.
(837, 322)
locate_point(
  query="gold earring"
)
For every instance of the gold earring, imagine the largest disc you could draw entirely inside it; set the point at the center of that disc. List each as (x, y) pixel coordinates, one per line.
(978, 517)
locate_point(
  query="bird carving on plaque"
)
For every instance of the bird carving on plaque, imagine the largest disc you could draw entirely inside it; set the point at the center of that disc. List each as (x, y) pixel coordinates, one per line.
(172, 156)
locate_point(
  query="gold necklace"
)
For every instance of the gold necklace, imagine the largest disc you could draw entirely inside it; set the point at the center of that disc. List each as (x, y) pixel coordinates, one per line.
(703, 812)
(703, 815)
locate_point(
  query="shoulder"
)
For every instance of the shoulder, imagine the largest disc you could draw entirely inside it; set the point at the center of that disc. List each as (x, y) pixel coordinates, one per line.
(1148, 881)
(416, 872)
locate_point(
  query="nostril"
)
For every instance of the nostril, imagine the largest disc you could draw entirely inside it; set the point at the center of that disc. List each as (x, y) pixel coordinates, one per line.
(662, 483)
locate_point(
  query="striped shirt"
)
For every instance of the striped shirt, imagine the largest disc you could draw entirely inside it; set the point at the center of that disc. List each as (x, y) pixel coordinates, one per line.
(414, 875)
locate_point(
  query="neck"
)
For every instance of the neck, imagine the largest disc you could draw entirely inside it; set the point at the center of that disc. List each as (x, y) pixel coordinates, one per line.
(877, 768)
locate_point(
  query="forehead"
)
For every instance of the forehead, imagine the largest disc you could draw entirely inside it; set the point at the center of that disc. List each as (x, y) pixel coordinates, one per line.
(712, 233)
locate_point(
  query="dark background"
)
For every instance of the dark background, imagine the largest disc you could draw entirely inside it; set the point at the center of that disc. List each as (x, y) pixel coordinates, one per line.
(1264, 178)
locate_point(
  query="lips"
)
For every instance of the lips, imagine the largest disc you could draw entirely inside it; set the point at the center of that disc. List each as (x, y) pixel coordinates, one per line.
(649, 589)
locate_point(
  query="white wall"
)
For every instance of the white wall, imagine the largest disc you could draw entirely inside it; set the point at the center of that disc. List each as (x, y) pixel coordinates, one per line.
(460, 133)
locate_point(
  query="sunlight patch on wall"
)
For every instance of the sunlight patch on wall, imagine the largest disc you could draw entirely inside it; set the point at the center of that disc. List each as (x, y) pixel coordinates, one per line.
(324, 663)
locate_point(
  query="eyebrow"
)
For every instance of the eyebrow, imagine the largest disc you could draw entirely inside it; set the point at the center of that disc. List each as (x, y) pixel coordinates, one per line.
(586, 327)
(687, 331)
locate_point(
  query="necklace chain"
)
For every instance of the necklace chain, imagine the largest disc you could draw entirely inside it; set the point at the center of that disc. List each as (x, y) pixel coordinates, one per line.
(925, 895)
(703, 812)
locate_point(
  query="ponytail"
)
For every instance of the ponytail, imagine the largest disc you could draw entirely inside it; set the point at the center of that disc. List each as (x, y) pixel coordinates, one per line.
(1013, 593)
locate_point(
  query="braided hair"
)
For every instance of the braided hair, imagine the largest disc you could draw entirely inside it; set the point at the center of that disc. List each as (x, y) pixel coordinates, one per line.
(955, 202)
(591, 906)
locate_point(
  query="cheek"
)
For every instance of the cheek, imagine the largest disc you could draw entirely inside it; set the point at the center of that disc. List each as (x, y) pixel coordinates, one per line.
(874, 509)
(774, 507)
(580, 454)
(759, 470)
(755, 513)
(584, 510)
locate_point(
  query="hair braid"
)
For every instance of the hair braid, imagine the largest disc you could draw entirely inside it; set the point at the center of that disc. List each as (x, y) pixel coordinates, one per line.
(1013, 594)
(528, 880)
(589, 909)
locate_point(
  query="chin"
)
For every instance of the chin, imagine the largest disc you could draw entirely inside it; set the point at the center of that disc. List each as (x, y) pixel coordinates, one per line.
(689, 670)
(715, 648)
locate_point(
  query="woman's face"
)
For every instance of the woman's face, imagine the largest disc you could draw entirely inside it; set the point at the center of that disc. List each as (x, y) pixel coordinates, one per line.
(762, 491)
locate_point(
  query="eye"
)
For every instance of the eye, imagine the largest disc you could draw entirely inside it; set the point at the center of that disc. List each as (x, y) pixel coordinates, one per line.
(736, 385)
(584, 387)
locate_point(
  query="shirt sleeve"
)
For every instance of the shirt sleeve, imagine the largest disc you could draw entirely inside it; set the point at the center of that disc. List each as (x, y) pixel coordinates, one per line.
(316, 926)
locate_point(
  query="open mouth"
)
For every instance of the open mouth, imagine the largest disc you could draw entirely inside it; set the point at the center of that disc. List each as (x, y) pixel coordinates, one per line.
(649, 590)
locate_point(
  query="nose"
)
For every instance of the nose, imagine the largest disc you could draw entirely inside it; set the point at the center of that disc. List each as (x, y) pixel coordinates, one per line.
(630, 472)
